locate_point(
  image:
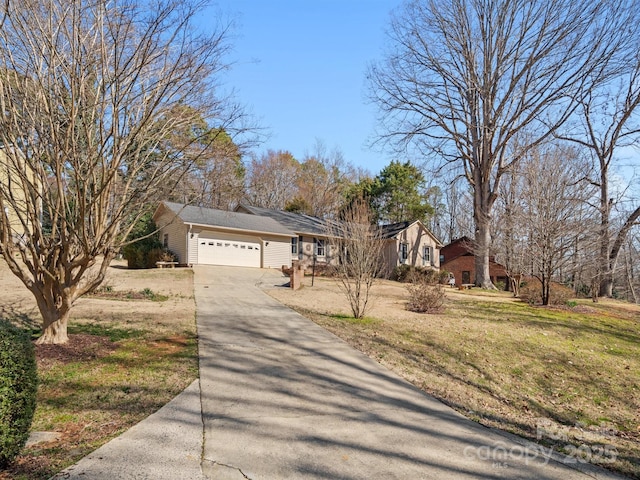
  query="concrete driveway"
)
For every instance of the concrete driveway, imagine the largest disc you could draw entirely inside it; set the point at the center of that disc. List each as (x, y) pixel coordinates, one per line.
(283, 398)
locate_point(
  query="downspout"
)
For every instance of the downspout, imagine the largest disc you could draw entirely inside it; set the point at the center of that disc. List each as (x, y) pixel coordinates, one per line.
(189, 234)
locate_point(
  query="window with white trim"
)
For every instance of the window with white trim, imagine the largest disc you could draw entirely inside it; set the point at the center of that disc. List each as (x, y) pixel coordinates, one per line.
(426, 255)
(294, 246)
(320, 247)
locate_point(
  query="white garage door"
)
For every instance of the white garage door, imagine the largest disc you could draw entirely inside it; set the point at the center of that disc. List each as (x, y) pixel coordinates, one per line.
(220, 249)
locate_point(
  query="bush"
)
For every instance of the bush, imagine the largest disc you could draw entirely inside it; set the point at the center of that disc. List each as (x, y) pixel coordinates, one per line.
(158, 254)
(138, 253)
(18, 387)
(531, 292)
(425, 297)
(409, 274)
(443, 277)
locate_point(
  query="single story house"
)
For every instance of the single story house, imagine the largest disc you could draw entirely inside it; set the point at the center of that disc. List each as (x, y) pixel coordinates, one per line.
(312, 233)
(457, 258)
(263, 237)
(207, 236)
(409, 243)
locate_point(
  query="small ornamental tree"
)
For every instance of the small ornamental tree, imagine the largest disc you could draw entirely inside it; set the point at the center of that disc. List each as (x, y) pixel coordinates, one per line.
(356, 249)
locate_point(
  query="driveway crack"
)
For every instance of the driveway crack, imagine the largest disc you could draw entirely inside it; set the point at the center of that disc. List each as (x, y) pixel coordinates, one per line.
(212, 469)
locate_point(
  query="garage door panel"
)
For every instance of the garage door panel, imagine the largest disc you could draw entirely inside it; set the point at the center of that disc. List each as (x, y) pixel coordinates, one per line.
(226, 250)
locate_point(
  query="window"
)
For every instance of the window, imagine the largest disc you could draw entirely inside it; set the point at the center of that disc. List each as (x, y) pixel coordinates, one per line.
(165, 240)
(426, 255)
(319, 247)
(404, 252)
(294, 245)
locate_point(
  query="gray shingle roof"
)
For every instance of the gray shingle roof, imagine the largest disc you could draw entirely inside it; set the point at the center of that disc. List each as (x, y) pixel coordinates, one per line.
(232, 220)
(392, 229)
(296, 222)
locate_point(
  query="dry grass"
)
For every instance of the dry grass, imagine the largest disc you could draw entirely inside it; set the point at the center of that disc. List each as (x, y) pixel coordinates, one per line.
(567, 377)
(128, 356)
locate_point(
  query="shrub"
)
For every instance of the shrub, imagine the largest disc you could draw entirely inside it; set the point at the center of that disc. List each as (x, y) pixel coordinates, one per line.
(531, 292)
(409, 274)
(559, 294)
(137, 254)
(158, 254)
(443, 277)
(18, 387)
(425, 297)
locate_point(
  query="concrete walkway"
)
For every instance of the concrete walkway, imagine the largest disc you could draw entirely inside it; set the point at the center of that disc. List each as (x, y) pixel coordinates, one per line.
(281, 398)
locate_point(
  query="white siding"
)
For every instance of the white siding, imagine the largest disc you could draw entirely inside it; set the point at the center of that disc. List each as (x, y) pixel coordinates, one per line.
(277, 253)
(177, 231)
(192, 243)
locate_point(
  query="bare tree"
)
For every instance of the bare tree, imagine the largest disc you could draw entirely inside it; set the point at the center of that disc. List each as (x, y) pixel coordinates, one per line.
(356, 249)
(631, 257)
(463, 77)
(555, 210)
(608, 122)
(510, 238)
(87, 93)
(323, 180)
(271, 179)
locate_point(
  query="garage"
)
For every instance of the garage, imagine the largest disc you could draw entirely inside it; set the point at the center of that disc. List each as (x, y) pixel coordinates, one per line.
(216, 248)
(206, 236)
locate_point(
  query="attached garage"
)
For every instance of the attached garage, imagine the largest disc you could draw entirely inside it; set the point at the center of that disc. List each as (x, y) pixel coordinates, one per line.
(216, 248)
(207, 236)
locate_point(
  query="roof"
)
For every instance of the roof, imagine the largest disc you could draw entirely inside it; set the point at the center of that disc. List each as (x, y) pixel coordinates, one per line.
(457, 248)
(391, 230)
(224, 219)
(296, 222)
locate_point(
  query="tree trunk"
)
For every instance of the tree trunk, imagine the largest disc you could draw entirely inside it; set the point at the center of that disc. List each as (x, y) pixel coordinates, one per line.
(606, 284)
(54, 328)
(481, 251)
(55, 311)
(610, 256)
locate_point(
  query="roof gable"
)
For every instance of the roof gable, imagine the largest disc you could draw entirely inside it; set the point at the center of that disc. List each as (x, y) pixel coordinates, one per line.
(392, 230)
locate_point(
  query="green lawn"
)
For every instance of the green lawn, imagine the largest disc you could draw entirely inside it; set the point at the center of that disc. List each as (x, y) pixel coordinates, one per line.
(568, 377)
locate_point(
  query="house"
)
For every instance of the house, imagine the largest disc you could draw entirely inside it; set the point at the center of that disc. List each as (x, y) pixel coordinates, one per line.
(217, 237)
(457, 257)
(20, 195)
(263, 237)
(312, 234)
(409, 243)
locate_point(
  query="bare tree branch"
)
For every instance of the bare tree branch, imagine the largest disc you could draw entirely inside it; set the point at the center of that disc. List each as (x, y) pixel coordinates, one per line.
(88, 94)
(468, 77)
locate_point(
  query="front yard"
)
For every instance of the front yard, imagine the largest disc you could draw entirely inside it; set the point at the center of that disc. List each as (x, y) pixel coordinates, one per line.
(568, 378)
(133, 349)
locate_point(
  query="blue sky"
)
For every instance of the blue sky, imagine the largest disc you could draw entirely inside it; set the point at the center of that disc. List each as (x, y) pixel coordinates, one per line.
(300, 67)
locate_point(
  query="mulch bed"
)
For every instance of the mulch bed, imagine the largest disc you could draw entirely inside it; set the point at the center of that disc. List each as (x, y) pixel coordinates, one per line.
(79, 348)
